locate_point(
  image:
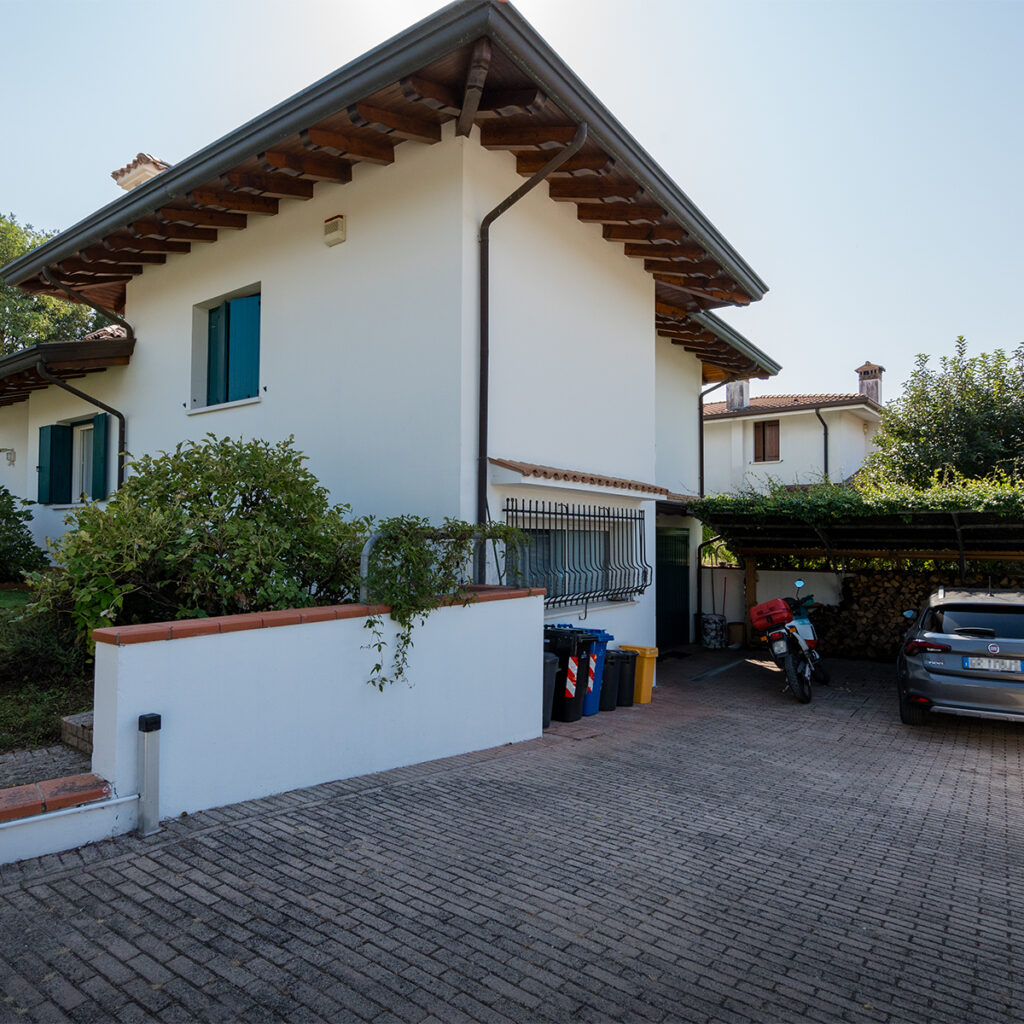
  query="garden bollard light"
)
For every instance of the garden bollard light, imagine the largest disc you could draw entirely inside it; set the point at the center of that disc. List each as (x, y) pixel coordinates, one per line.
(149, 774)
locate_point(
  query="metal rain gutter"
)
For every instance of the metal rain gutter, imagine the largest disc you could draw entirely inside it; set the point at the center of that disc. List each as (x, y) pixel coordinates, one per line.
(485, 326)
(43, 372)
(735, 340)
(824, 427)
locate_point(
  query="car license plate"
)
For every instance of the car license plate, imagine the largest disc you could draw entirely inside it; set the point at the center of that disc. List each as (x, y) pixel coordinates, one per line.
(993, 664)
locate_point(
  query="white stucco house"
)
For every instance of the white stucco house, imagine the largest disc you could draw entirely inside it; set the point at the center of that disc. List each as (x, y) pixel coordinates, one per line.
(790, 439)
(318, 273)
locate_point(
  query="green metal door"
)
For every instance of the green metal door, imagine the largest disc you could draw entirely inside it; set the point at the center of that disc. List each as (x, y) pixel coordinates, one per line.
(672, 558)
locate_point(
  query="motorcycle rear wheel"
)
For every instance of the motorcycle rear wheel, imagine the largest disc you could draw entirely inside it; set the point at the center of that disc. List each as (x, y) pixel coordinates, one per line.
(798, 676)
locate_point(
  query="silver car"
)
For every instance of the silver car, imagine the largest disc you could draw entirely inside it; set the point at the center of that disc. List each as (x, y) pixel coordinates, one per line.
(963, 655)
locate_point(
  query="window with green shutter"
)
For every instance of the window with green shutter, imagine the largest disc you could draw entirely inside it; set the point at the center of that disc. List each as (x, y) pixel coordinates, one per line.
(73, 461)
(233, 350)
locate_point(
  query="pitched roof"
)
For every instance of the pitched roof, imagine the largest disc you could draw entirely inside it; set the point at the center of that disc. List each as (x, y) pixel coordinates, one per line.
(787, 403)
(477, 63)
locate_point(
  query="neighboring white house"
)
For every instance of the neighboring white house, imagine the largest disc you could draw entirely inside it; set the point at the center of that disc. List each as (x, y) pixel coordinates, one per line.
(364, 337)
(789, 439)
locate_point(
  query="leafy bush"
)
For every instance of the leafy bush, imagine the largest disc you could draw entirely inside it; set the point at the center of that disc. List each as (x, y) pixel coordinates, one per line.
(19, 554)
(216, 527)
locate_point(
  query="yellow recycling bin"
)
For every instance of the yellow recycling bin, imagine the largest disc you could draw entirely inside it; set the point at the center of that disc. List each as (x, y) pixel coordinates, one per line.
(643, 681)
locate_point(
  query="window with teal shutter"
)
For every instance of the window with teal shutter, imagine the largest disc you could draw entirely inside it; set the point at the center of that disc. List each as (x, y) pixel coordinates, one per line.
(100, 444)
(233, 350)
(61, 481)
(55, 464)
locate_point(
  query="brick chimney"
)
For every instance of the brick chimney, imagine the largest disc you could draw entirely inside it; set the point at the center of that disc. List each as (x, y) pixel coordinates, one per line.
(737, 394)
(870, 378)
(140, 170)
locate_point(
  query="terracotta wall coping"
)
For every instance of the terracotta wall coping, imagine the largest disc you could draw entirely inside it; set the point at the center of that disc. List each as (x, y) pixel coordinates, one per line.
(51, 795)
(150, 631)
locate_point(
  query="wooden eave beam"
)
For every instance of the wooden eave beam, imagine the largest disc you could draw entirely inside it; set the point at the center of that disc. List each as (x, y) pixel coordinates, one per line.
(202, 218)
(594, 163)
(150, 227)
(670, 309)
(82, 280)
(234, 202)
(698, 287)
(434, 95)
(372, 150)
(317, 166)
(686, 252)
(510, 102)
(641, 233)
(582, 189)
(73, 265)
(508, 135)
(689, 270)
(99, 254)
(626, 213)
(123, 240)
(281, 186)
(391, 122)
(479, 65)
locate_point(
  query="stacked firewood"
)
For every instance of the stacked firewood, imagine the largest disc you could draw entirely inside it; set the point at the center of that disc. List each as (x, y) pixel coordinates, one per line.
(869, 623)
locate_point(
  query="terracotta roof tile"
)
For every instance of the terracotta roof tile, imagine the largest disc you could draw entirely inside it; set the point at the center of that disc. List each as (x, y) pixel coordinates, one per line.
(787, 403)
(110, 331)
(530, 469)
(141, 158)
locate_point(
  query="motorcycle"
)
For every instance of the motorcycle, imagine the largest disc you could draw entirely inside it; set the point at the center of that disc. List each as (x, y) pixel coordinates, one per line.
(792, 641)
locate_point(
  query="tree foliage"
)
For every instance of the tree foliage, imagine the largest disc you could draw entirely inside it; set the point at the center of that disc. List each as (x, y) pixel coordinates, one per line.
(29, 319)
(216, 527)
(19, 553)
(964, 418)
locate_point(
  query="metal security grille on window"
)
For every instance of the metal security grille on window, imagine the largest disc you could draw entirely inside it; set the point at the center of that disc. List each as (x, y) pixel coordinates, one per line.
(582, 553)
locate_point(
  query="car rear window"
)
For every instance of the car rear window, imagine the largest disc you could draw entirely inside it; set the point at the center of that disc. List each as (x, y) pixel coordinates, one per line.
(1004, 622)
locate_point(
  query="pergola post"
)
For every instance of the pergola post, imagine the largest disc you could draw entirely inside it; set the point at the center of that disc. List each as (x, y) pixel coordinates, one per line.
(750, 592)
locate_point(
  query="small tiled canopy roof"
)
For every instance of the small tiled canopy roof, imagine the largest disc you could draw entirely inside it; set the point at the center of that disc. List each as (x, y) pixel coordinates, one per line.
(530, 469)
(142, 158)
(477, 63)
(787, 403)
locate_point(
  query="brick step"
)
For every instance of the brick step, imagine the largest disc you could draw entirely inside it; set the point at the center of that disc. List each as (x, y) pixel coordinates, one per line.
(51, 795)
(76, 732)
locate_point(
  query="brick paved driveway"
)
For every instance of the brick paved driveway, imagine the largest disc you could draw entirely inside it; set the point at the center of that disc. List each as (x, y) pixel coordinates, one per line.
(724, 854)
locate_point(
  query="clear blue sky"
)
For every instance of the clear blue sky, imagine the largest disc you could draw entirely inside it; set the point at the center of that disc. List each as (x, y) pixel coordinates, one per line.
(866, 158)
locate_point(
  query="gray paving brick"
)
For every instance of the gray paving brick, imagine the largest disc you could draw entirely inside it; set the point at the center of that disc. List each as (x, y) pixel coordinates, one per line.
(721, 854)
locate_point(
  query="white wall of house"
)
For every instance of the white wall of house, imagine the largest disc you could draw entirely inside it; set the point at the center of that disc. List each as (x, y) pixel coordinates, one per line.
(359, 343)
(729, 449)
(571, 327)
(678, 381)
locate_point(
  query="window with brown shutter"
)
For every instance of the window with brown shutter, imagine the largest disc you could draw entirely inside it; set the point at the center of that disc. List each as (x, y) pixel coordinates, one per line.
(766, 441)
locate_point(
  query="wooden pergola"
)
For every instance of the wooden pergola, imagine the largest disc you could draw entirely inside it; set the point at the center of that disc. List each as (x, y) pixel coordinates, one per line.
(913, 536)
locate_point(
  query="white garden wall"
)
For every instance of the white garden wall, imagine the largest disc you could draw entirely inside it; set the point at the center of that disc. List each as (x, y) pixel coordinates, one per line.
(262, 710)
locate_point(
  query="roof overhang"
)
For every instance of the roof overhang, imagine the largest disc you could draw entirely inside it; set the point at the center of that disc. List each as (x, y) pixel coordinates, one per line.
(19, 373)
(859, 404)
(477, 62)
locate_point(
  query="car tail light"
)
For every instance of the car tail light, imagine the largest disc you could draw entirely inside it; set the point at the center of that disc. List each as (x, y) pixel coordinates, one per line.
(913, 647)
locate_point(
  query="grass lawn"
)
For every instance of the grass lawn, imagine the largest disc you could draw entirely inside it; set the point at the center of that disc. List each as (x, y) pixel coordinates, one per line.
(13, 598)
(31, 716)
